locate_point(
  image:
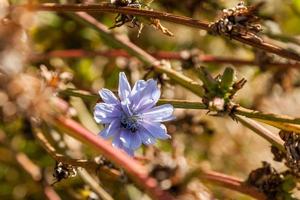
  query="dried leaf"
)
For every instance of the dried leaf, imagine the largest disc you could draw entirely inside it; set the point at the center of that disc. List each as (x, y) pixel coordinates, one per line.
(281, 125)
(157, 25)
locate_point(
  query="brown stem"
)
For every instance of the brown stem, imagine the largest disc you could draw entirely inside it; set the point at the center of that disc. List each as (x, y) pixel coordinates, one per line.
(106, 7)
(142, 55)
(232, 183)
(87, 164)
(203, 58)
(133, 168)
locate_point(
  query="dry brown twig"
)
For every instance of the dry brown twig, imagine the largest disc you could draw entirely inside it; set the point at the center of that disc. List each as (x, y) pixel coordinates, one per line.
(107, 7)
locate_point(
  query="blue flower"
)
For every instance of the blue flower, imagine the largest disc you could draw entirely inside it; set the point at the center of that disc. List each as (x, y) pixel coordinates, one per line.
(133, 119)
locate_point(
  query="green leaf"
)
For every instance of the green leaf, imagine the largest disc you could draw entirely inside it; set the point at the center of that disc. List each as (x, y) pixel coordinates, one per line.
(227, 78)
(208, 81)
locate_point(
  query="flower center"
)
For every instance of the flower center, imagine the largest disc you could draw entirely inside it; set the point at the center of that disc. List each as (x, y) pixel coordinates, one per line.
(130, 123)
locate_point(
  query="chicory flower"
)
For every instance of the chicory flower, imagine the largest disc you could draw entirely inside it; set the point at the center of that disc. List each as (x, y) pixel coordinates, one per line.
(133, 119)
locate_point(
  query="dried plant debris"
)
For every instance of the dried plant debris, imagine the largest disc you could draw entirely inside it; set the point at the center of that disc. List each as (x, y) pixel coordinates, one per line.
(55, 79)
(279, 155)
(275, 185)
(291, 157)
(130, 3)
(239, 20)
(137, 22)
(63, 171)
(157, 25)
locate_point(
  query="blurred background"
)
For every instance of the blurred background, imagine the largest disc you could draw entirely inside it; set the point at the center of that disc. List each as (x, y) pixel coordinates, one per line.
(214, 143)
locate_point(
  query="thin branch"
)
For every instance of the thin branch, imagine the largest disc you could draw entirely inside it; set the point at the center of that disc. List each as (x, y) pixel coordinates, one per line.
(143, 56)
(95, 186)
(132, 167)
(262, 131)
(87, 164)
(177, 103)
(266, 117)
(202, 58)
(139, 174)
(256, 127)
(232, 183)
(253, 114)
(50, 193)
(107, 7)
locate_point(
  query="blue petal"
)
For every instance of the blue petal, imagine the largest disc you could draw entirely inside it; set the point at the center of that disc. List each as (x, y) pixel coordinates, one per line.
(111, 129)
(146, 138)
(124, 87)
(108, 97)
(157, 130)
(159, 113)
(136, 90)
(146, 97)
(117, 143)
(130, 140)
(126, 107)
(106, 113)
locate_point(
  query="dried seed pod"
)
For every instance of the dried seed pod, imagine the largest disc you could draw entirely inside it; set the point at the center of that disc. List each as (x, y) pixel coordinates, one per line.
(122, 19)
(267, 180)
(239, 20)
(277, 153)
(291, 144)
(123, 3)
(63, 171)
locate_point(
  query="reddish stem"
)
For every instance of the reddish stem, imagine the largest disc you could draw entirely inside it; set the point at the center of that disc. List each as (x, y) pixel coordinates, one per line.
(131, 166)
(233, 183)
(205, 58)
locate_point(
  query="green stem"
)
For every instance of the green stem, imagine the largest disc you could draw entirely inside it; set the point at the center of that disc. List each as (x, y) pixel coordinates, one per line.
(256, 127)
(253, 114)
(262, 131)
(176, 103)
(266, 116)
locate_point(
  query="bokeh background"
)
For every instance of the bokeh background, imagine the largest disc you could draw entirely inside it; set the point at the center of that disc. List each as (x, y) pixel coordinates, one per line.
(214, 143)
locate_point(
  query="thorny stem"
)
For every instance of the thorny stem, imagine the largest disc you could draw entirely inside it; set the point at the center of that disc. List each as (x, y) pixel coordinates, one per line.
(107, 7)
(203, 58)
(132, 167)
(232, 183)
(141, 54)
